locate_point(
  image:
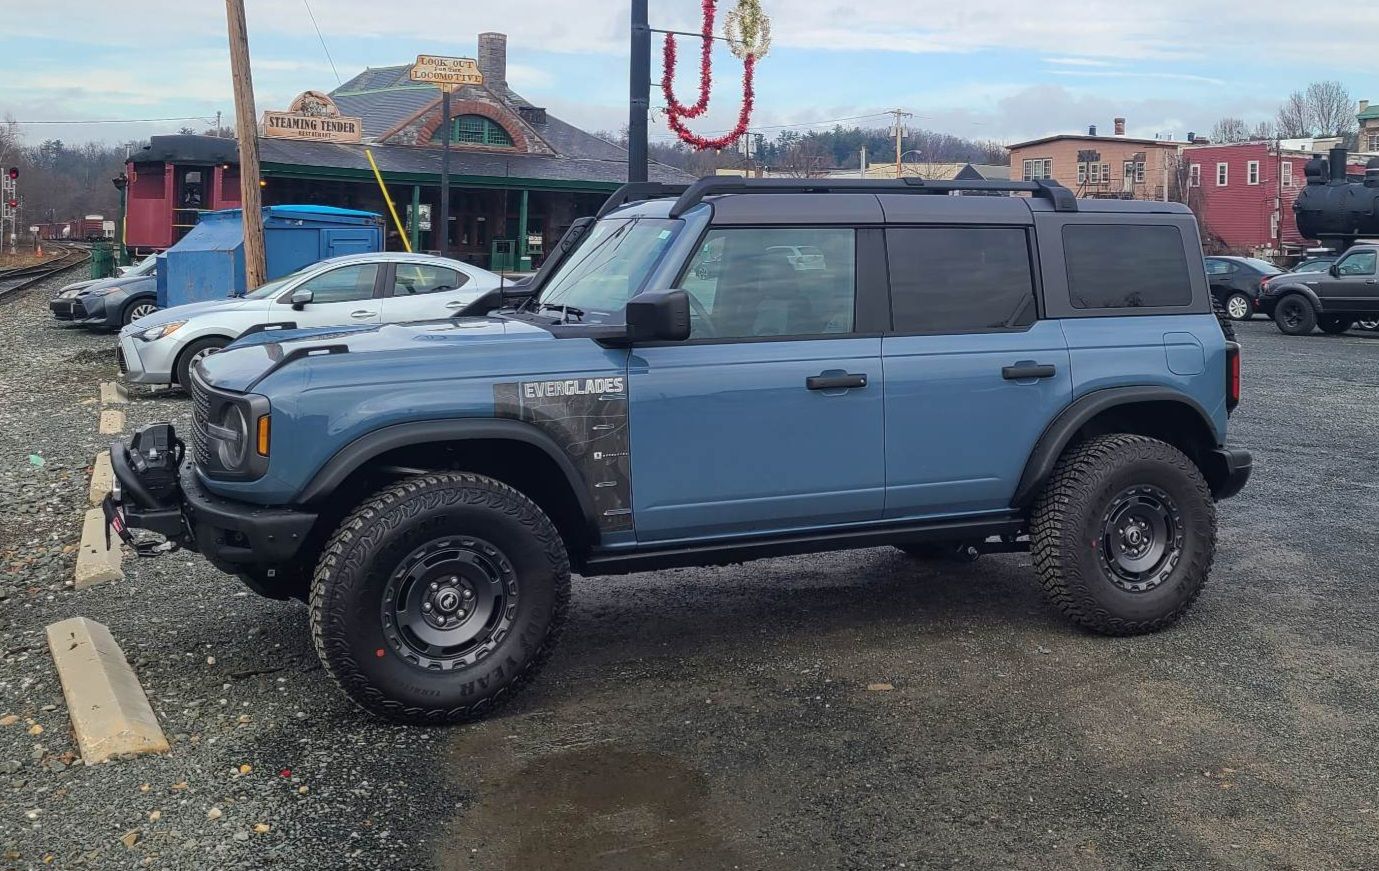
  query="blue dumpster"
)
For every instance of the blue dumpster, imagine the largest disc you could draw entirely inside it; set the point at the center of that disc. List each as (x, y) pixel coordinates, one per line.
(209, 261)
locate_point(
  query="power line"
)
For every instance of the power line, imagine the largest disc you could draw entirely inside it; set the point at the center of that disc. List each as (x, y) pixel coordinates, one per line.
(797, 124)
(312, 16)
(119, 120)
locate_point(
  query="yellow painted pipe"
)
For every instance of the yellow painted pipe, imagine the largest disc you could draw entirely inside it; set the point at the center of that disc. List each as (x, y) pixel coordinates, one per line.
(401, 231)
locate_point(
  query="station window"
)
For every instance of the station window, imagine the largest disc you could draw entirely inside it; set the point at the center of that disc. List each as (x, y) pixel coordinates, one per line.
(1252, 172)
(1038, 169)
(1194, 175)
(478, 130)
(1287, 172)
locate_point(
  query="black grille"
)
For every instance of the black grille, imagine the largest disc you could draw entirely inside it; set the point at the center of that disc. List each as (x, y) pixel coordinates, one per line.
(201, 412)
(78, 310)
(119, 355)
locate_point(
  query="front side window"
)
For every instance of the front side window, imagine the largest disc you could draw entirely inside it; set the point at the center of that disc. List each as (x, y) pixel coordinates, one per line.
(781, 281)
(414, 279)
(960, 279)
(1360, 263)
(611, 265)
(1126, 266)
(346, 284)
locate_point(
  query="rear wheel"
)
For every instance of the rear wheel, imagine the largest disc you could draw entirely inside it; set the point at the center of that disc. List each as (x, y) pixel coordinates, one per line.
(193, 354)
(1334, 324)
(1151, 522)
(439, 597)
(1239, 307)
(1295, 316)
(1369, 325)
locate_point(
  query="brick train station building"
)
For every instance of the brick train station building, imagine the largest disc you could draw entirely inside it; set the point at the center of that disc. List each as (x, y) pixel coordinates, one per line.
(519, 176)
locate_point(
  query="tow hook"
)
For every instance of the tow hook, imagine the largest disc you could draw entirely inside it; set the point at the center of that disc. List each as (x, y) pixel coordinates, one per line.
(114, 519)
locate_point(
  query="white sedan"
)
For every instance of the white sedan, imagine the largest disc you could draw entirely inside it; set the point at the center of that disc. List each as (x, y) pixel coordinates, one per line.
(359, 289)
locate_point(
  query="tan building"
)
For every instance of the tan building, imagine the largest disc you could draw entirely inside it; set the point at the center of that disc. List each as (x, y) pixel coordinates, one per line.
(1369, 127)
(1119, 166)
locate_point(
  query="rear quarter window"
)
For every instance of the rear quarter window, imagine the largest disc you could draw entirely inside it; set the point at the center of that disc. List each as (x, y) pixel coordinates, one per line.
(1120, 266)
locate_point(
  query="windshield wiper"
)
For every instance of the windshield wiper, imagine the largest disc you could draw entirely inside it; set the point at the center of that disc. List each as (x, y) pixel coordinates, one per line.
(566, 311)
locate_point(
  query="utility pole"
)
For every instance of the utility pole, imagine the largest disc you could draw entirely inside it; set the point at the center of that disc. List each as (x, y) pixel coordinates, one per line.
(899, 131)
(444, 246)
(217, 124)
(639, 104)
(247, 131)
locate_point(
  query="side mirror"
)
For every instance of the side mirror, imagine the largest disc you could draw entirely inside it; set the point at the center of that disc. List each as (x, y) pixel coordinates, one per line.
(301, 297)
(659, 316)
(1335, 270)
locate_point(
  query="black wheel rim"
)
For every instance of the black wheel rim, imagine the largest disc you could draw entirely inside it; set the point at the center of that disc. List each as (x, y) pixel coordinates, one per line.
(1141, 538)
(1291, 312)
(449, 603)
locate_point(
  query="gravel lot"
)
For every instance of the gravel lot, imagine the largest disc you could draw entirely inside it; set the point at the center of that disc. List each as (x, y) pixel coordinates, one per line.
(734, 717)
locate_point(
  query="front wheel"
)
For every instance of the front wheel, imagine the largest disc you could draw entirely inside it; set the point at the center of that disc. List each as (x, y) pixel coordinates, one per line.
(1239, 307)
(1334, 324)
(1149, 518)
(439, 597)
(193, 354)
(1295, 316)
(1368, 325)
(137, 309)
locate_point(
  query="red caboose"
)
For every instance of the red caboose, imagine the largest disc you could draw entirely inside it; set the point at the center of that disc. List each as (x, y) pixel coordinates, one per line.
(172, 181)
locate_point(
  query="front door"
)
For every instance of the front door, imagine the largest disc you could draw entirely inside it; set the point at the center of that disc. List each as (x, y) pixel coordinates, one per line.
(769, 418)
(1355, 287)
(344, 295)
(972, 377)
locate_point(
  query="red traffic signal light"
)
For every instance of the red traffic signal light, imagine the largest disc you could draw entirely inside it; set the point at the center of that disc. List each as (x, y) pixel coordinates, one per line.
(13, 204)
(13, 173)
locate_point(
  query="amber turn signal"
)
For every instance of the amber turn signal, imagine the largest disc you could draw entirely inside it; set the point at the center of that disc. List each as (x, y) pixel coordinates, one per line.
(264, 430)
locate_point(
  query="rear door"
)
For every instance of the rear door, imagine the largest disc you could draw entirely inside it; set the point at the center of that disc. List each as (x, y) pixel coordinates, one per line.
(425, 291)
(973, 376)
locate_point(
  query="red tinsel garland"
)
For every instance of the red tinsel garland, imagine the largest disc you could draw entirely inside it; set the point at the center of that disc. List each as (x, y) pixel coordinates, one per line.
(676, 113)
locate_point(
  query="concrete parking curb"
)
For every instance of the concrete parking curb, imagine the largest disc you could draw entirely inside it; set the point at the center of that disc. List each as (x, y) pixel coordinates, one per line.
(102, 477)
(109, 711)
(97, 564)
(113, 393)
(112, 421)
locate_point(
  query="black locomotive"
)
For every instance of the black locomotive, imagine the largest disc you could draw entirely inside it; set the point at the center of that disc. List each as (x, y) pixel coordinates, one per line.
(1334, 209)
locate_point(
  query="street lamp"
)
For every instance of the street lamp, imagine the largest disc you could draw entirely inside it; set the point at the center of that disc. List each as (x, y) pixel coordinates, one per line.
(900, 169)
(121, 183)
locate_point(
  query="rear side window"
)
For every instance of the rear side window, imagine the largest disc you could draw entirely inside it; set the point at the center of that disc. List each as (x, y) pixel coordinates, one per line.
(1126, 266)
(960, 279)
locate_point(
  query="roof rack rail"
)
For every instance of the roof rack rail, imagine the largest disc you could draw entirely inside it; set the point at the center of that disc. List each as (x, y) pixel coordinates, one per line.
(1063, 199)
(637, 191)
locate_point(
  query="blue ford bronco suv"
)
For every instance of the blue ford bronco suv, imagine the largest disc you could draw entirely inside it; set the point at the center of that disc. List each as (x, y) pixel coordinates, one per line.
(680, 385)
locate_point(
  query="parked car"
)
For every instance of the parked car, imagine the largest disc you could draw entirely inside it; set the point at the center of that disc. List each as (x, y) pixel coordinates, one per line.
(110, 302)
(1334, 300)
(1236, 281)
(356, 289)
(430, 487)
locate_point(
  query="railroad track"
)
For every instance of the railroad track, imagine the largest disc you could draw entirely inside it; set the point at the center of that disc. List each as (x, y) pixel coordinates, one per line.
(12, 281)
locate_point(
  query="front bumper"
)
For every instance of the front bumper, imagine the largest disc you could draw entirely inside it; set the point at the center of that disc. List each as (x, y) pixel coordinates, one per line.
(229, 533)
(1228, 470)
(61, 307)
(143, 363)
(90, 310)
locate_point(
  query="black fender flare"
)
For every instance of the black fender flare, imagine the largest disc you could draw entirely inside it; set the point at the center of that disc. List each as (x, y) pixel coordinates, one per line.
(353, 456)
(1303, 290)
(1060, 432)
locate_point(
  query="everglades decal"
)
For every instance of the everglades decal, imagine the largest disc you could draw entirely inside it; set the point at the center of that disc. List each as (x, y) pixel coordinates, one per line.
(587, 416)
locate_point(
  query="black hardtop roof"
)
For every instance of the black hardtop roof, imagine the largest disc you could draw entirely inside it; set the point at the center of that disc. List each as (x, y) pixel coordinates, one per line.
(833, 201)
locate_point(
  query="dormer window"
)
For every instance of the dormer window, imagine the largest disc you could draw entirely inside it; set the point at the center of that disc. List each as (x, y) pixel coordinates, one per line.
(478, 130)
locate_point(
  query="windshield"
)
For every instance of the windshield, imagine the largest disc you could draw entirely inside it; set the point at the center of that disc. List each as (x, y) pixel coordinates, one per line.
(1314, 266)
(145, 266)
(1263, 266)
(272, 287)
(610, 267)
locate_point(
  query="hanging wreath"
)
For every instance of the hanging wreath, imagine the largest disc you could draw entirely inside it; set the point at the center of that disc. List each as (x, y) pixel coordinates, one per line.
(748, 32)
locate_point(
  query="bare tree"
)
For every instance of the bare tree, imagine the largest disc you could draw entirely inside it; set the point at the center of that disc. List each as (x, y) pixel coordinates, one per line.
(1230, 130)
(1264, 130)
(804, 159)
(1323, 109)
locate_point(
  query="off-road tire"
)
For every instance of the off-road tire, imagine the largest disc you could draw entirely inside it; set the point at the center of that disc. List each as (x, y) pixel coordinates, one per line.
(1295, 316)
(347, 597)
(182, 369)
(1334, 325)
(1070, 515)
(1242, 303)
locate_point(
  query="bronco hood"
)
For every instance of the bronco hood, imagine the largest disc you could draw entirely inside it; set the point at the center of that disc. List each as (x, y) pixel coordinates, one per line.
(251, 359)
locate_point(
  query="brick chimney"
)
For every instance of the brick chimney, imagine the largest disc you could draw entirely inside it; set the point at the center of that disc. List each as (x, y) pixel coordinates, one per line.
(1120, 126)
(493, 59)
(1364, 106)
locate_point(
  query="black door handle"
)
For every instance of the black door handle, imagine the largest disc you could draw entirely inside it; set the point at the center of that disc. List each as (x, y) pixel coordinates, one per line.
(835, 382)
(1021, 371)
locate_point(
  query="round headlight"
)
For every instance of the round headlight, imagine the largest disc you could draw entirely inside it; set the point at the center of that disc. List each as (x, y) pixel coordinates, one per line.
(232, 452)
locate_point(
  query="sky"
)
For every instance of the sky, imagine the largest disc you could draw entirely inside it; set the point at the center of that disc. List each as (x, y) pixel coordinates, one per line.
(982, 69)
